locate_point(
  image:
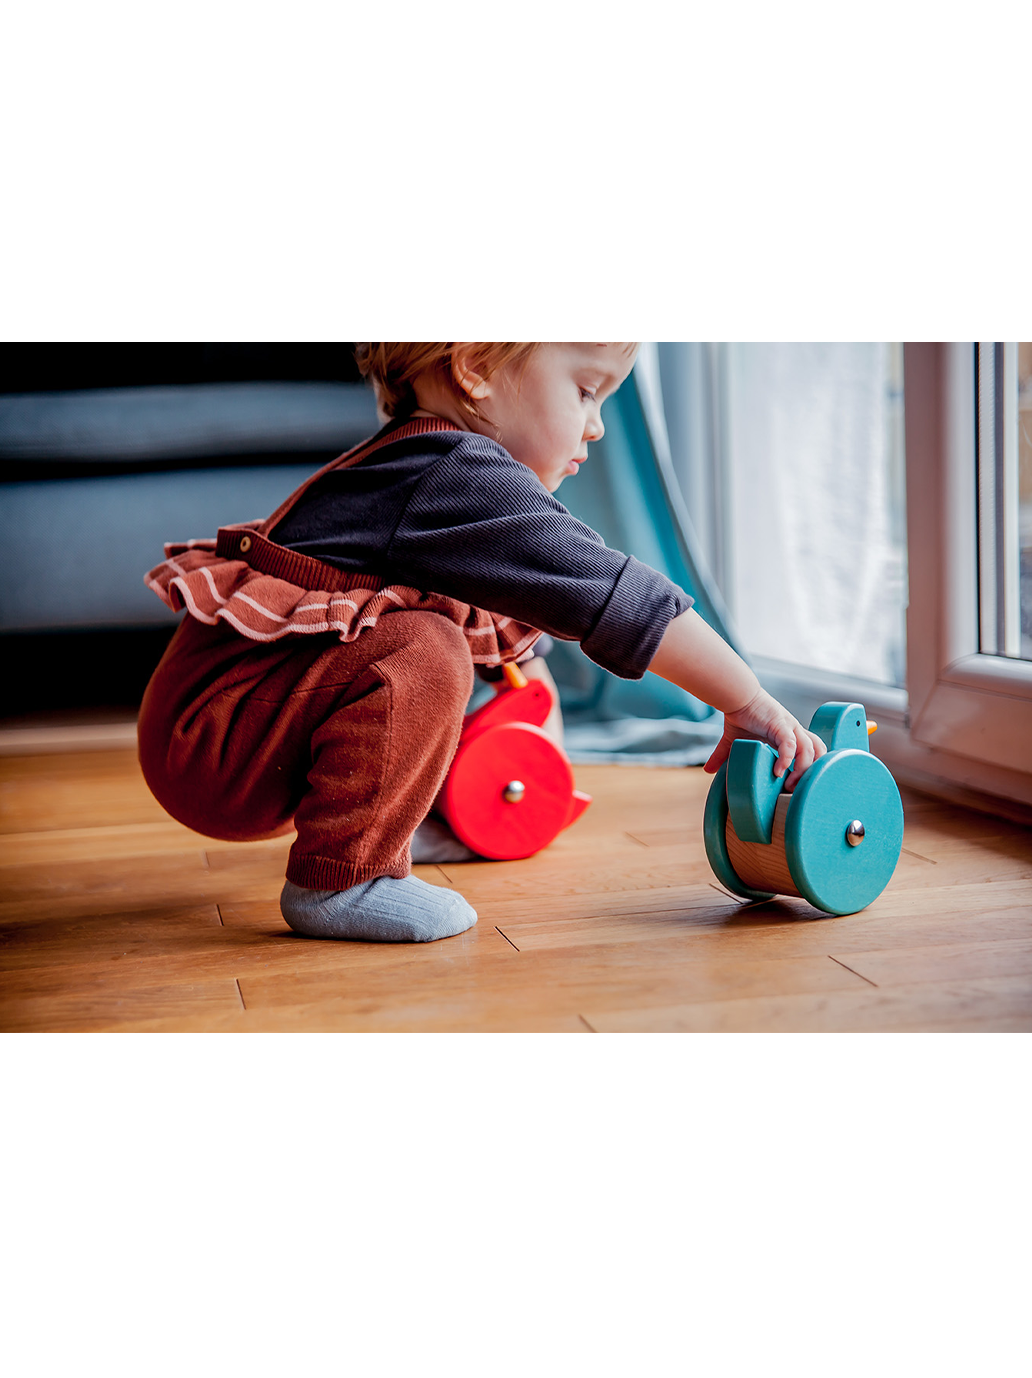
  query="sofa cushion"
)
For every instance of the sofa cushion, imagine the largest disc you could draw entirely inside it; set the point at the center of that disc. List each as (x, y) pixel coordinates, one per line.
(110, 430)
(73, 552)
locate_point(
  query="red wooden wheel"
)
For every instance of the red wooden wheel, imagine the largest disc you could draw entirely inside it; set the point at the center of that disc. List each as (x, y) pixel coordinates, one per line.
(497, 821)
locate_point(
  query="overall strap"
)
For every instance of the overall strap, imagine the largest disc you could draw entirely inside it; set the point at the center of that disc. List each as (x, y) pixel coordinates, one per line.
(420, 425)
(276, 561)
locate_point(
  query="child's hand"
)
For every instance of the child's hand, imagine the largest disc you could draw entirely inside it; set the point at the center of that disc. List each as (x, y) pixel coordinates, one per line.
(764, 717)
(692, 655)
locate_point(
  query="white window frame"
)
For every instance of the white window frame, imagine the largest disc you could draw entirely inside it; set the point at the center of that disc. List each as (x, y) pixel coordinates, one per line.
(963, 726)
(969, 723)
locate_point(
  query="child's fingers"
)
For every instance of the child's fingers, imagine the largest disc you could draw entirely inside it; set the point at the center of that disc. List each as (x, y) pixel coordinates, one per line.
(788, 749)
(797, 750)
(809, 749)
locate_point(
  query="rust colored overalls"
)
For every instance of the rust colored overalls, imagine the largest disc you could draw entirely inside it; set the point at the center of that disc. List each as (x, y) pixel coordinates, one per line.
(295, 695)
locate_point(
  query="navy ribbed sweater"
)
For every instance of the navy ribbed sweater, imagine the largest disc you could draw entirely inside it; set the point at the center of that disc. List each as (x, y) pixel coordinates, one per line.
(454, 513)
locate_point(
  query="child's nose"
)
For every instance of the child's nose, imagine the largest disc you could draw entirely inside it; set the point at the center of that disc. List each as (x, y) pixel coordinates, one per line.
(594, 430)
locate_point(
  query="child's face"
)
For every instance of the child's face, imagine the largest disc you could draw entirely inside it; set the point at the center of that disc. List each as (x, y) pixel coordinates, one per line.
(547, 412)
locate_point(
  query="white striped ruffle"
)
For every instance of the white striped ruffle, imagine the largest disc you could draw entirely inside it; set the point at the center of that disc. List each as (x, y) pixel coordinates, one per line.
(265, 608)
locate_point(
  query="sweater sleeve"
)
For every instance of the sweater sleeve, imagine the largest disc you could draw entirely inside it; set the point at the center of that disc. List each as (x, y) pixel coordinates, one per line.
(480, 527)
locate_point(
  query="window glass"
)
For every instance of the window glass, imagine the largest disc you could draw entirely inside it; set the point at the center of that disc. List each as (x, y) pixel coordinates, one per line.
(1024, 422)
(1004, 389)
(815, 561)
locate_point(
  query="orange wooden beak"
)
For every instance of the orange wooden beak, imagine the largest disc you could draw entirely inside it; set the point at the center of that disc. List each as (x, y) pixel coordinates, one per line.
(517, 679)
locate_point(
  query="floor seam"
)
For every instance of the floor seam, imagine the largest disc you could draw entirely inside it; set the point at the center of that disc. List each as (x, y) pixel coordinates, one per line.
(722, 890)
(919, 857)
(507, 939)
(855, 973)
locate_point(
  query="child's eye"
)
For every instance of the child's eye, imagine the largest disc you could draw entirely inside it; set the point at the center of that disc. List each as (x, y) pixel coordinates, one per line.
(587, 395)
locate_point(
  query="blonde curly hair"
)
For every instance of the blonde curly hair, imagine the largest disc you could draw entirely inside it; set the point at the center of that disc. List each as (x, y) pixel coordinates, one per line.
(394, 369)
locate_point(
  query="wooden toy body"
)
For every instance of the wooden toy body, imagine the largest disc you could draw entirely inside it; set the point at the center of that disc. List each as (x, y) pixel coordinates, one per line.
(503, 747)
(834, 841)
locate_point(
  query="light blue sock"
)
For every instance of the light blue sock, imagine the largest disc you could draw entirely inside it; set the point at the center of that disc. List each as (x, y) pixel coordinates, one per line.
(434, 842)
(384, 910)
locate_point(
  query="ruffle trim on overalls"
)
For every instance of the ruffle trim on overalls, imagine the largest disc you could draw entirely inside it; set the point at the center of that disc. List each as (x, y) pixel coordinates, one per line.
(263, 607)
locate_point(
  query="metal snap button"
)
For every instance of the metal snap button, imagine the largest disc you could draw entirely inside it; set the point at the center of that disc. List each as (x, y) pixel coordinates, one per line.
(245, 544)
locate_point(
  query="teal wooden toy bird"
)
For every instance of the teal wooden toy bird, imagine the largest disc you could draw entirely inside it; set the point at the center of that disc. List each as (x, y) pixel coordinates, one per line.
(834, 840)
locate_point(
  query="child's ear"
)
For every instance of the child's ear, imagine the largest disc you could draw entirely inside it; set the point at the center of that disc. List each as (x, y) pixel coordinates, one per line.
(472, 383)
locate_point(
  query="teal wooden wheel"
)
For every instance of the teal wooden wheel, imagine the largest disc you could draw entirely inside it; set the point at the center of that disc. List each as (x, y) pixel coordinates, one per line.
(842, 788)
(714, 831)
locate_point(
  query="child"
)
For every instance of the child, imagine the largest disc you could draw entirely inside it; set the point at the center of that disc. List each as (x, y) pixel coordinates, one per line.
(321, 678)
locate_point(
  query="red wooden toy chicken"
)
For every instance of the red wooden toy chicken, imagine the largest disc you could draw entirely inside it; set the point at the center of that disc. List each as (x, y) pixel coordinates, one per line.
(510, 789)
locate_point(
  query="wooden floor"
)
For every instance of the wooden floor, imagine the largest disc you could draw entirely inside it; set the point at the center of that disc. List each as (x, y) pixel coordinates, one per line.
(112, 916)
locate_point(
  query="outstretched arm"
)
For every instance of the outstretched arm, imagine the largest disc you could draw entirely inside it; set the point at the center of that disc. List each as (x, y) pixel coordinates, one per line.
(693, 656)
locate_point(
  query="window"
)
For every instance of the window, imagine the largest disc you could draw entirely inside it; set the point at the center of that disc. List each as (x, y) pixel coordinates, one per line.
(1005, 499)
(791, 461)
(867, 512)
(972, 707)
(815, 506)
(1024, 419)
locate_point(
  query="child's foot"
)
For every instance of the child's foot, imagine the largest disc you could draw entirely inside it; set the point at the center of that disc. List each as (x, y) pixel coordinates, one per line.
(433, 841)
(384, 910)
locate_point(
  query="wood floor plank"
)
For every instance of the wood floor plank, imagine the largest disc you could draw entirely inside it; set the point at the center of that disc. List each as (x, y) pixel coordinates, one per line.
(906, 966)
(659, 837)
(593, 903)
(963, 866)
(193, 944)
(70, 791)
(331, 1017)
(45, 941)
(540, 985)
(1010, 849)
(108, 843)
(95, 1005)
(82, 887)
(789, 927)
(1001, 1004)
(543, 878)
(963, 824)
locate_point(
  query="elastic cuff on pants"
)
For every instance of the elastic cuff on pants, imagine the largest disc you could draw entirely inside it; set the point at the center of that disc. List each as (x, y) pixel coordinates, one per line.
(323, 873)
